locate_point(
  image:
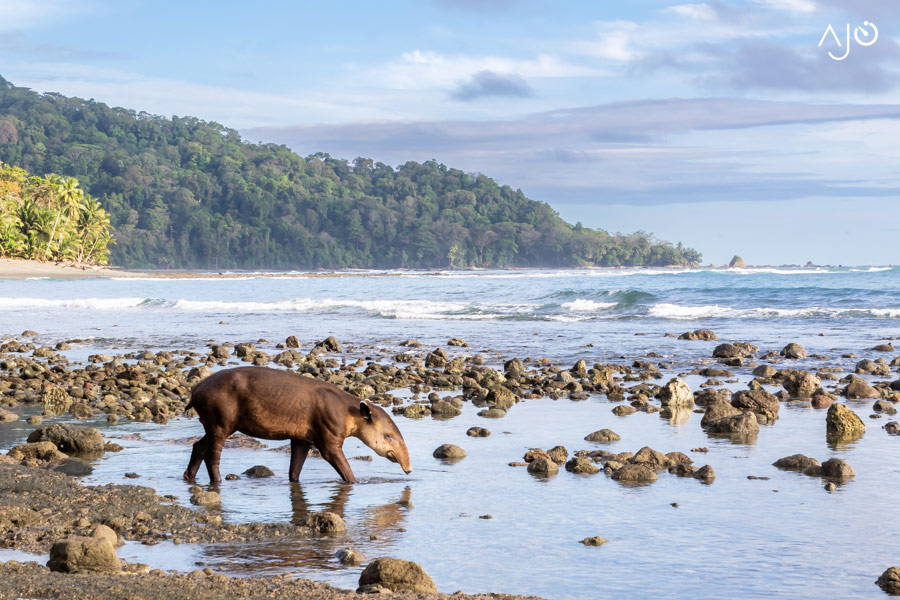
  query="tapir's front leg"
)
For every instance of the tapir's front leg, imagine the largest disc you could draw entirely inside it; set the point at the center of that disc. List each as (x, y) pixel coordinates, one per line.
(299, 450)
(335, 457)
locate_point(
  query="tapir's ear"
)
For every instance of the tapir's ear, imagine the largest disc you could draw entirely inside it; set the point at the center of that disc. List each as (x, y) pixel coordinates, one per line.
(365, 410)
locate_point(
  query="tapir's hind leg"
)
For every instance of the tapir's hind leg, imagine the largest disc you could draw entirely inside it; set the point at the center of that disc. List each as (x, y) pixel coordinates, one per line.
(299, 450)
(197, 456)
(215, 443)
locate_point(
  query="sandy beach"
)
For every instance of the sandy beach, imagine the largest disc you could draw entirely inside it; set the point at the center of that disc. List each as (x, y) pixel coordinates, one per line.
(26, 269)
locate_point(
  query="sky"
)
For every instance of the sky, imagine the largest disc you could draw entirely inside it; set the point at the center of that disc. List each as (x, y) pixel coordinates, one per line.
(721, 124)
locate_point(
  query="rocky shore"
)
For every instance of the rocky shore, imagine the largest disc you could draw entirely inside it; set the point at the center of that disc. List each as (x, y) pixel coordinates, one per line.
(41, 505)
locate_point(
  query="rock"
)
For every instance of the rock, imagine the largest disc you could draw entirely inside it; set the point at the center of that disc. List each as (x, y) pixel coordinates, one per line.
(761, 402)
(415, 411)
(594, 541)
(710, 396)
(858, 389)
(514, 368)
(582, 466)
(501, 397)
(232, 477)
(106, 533)
(84, 554)
(884, 348)
(866, 366)
(737, 263)
(30, 333)
(698, 334)
(220, 352)
(534, 454)
(292, 342)
(34, 420)
(437, 358)
(7, 416)
(821, 401)
(833, 468)
(705, 474)
(650, 458)
(728, 351)
(889, 581)
(397, 575)
(793, 350)
(449, 452)
(325, 522)
(837, 468)
(718, 410)
(205, 498)
(766, 371)
(457, 342)
(623, 410)
(43, 451)
(744, 424)
(558, 454)
(830, 487)
(634, 474)
(682, 470)
(56, 401)
(74, 467)
(543, 466)
(885, 407)
(801, 384)
(603, 436)
(259, 471)
(492, 413)
(350, 557)
(796, 462)
(676, 394)
(842, 424)
(477, 432)
(329, 344)
(71, 439)
(892, 427)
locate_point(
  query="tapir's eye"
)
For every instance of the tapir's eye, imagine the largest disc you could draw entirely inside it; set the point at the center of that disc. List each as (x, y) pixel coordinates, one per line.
(387, 437)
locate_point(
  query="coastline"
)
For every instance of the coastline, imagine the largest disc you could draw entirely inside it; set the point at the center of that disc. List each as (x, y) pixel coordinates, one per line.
(18, 269)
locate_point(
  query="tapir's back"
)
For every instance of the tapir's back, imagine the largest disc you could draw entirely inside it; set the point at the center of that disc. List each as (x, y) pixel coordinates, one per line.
(264, 403)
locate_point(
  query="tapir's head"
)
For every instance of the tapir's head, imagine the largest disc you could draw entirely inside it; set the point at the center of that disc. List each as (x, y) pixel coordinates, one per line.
(378, 432)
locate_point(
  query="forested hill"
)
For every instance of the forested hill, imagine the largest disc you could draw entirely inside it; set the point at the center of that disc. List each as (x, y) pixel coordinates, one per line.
(186, 193)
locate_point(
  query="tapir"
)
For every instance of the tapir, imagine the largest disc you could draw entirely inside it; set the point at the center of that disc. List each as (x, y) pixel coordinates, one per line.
(275, 404)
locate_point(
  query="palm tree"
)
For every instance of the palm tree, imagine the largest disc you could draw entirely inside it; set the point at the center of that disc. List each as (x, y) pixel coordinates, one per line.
(70, 197)
(54, 186)
(94, 224)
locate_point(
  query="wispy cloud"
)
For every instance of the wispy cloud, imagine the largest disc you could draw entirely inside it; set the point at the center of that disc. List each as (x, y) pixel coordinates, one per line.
(18, 15)
(485, 84)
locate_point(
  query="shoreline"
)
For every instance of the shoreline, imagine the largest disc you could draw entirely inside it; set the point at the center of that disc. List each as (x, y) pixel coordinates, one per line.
(19, 269)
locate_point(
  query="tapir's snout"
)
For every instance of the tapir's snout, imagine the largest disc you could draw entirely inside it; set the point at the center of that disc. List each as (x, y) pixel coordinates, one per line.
(403, 462)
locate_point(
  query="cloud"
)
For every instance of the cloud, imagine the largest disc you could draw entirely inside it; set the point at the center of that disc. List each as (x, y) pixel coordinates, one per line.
(476, 4)
(796, 6)
(488, 83)
(18, 15)
(766, 65)
(652, 151)
(699, 12)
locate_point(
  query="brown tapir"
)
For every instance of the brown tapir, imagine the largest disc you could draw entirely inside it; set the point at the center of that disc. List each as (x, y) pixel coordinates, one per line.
(273, 404)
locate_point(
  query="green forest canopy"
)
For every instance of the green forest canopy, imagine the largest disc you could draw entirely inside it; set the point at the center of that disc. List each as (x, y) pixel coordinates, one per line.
(186, 193)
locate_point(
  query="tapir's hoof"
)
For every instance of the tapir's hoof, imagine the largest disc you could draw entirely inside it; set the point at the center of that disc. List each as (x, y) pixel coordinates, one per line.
(187, 477)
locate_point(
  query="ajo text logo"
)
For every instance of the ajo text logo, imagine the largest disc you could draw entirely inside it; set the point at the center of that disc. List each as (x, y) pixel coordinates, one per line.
(846, 45)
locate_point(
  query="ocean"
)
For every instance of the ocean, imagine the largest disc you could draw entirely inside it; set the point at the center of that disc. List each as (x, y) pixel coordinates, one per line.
(777, 535)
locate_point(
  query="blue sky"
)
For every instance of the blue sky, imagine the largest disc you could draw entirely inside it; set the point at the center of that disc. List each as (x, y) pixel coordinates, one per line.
(721, 124)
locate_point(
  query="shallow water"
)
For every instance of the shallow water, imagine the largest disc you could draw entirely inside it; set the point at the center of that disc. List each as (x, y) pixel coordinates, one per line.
(784, 537)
